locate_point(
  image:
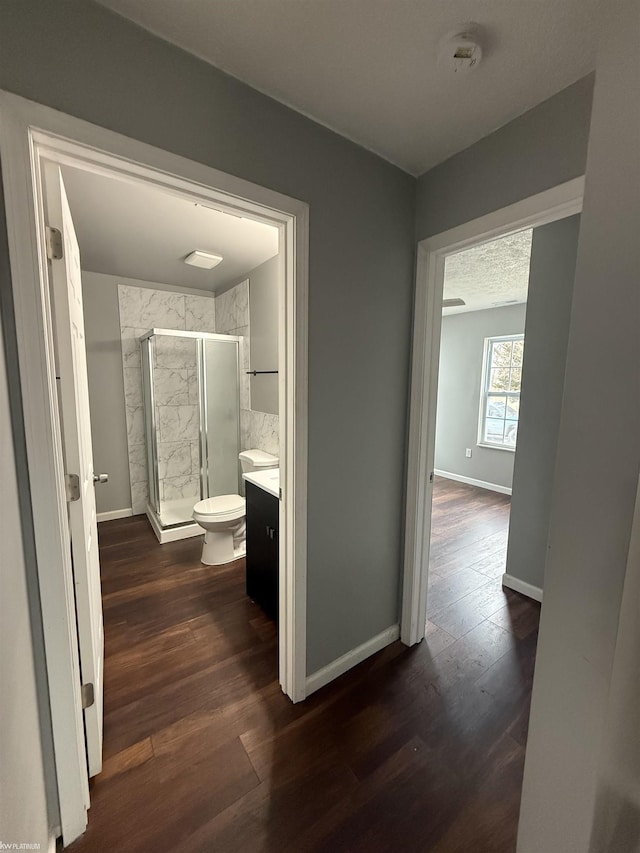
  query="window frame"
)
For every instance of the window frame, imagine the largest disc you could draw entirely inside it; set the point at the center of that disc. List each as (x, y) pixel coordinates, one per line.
(485, 391)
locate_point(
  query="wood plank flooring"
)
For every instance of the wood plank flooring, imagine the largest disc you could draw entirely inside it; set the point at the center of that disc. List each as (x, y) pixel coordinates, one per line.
(416, 749)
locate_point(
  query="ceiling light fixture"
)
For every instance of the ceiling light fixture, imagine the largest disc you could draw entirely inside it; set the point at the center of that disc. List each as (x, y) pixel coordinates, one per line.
(203, 260)
(453, 303)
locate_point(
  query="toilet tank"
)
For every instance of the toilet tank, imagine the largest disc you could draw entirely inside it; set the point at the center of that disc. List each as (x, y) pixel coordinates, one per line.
(257, 460)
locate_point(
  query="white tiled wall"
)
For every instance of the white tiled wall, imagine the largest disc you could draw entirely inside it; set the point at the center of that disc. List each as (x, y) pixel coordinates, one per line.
(260, 430)
(232, 308)
(175, 387)
(257, 429)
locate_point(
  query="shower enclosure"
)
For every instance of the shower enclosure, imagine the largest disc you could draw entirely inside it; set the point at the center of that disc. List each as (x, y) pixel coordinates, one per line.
(191, 390)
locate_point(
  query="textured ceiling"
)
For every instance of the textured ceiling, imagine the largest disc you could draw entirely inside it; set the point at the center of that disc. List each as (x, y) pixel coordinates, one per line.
(369, 69)
(490, 275)
(137, 231)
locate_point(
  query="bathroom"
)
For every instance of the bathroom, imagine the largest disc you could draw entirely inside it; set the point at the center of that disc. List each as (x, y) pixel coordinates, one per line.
(181, 318)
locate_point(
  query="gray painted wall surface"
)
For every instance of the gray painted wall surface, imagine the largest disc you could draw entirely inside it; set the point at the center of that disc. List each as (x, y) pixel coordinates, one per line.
(110, 72)
(616, 820)
(23, 806)
(107, 71)
(459, 390)
(542, 148)
(263, 310)
(106, 390)
(551, 275)
(596, 476)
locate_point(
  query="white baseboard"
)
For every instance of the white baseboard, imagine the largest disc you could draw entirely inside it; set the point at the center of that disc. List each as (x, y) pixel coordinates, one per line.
(525, 588)
(350, 659)
(113, 514)
(481, 484)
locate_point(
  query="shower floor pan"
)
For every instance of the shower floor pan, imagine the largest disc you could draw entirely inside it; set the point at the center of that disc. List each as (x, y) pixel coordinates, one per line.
(175, 521)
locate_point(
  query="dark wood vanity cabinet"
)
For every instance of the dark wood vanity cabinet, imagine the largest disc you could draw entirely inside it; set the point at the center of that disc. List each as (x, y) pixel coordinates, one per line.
(262, 548)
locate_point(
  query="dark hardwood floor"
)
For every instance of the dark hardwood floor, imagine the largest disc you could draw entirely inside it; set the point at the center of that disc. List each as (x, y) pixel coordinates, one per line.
(416, 749)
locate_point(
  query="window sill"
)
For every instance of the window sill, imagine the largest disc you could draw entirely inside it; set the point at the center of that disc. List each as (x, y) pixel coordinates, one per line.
(497, 447)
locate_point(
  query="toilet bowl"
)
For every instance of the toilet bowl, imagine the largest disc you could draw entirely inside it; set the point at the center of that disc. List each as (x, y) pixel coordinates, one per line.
(223, 517)
(223, 520)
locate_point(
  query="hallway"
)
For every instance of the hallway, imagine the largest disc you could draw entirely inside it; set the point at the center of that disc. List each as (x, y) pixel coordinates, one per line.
(418, 749)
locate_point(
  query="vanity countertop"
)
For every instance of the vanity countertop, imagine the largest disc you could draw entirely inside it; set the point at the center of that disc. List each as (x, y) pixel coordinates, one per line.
(268, 481)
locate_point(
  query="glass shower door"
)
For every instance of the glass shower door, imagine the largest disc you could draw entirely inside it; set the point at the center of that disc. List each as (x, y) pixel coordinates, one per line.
(220, 395)
(178, 425)
(191, 388)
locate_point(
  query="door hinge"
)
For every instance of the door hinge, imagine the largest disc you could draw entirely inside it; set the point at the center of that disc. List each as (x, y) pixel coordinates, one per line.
(54, 244)
(431, 477)
(87, 694)
(72, 487)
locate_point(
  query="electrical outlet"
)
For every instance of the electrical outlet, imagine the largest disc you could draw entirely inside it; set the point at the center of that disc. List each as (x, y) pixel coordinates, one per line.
(468, 453)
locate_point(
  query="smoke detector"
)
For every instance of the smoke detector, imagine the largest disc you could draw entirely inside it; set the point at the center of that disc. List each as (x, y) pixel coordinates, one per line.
(461, 52)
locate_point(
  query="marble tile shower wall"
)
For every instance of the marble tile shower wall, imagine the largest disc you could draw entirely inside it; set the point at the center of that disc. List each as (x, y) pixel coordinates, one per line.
(176, 384)
(257, 429)
(175, 387)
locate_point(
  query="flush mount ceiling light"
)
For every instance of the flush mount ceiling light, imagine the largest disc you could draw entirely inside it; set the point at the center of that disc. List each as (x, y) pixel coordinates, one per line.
(461, 51)
(204, 260)
(453, 303)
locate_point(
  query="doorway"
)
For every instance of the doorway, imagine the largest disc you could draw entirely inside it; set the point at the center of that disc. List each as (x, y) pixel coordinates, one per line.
(33, 136)
(482, 349)
(547, 207)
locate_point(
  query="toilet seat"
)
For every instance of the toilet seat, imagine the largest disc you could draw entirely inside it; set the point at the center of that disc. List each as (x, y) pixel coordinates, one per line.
(220, 508)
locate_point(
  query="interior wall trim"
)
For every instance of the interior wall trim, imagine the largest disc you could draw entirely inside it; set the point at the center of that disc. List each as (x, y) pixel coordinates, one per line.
(481, 484)
(525, 588)
(347, 661)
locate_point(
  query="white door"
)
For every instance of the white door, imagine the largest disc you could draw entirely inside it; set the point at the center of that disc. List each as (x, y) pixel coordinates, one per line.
(73, 390)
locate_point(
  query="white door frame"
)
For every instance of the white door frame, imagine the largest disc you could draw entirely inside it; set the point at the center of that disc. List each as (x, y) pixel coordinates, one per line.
(30, 133)
(556, 203)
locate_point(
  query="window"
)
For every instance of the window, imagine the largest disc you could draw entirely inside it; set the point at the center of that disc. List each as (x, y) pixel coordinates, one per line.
(500, 399)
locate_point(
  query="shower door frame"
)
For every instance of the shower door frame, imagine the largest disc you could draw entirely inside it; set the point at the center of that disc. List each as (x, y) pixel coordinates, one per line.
(200, 338)
(31, 134)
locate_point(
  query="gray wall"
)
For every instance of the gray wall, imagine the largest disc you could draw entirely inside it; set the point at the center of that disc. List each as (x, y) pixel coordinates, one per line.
(542, 148)
(106, 70)
(80, 58)
(23, 806)
(616, 819)
(459, 390)
(596, 477)
(551, 274)
(263, 310)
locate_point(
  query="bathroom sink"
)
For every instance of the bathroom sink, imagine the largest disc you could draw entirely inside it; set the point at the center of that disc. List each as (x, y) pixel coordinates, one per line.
(268, 480)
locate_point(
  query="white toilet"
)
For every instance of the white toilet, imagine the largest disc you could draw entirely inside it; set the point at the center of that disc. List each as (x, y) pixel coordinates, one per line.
(223, 517)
